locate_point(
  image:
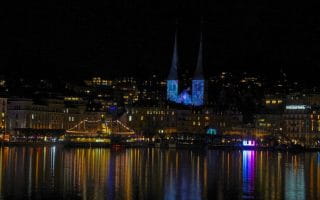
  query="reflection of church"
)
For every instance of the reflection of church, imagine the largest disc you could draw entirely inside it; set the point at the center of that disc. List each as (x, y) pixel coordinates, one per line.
(196, 98)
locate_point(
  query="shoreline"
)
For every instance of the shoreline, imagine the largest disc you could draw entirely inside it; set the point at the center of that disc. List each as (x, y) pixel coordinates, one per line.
(161, 146)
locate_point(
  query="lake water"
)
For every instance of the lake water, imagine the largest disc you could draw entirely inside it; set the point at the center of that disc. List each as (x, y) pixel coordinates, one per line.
(55, 172)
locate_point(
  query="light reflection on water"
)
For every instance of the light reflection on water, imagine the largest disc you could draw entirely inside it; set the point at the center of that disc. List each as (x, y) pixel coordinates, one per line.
(248, 170)
(60, 173)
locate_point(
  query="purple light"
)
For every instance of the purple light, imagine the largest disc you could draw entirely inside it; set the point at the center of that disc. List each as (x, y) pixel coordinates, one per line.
(248, 174)
(249, 143)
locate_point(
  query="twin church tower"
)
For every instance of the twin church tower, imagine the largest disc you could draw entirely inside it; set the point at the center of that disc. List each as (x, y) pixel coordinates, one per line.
(196, 98)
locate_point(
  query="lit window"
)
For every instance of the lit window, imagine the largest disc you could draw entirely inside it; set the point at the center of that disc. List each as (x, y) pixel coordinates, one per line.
(141, 118)
(267, 101)
(32, 116)
(274, 101)
(130, 118)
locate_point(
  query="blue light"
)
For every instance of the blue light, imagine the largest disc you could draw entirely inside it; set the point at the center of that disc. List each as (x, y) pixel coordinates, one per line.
(172, 90)
(196, 98)
(212, 131)
(113, 108)
(185, 98)
(197, 92)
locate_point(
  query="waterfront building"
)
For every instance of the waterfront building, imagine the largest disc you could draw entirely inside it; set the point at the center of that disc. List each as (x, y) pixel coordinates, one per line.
(268, 123)
(172, 120)
(49, 115)
(296, 121)
(269, 117)
(294, 118)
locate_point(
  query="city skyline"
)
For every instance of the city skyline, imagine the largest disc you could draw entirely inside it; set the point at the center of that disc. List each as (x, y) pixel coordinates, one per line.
(159, 100)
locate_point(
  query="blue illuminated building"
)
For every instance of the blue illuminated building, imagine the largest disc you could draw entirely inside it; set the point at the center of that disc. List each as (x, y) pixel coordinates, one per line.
(184, 98)
(198, 81)
(196, 98)
(172, 90)
(172, 82)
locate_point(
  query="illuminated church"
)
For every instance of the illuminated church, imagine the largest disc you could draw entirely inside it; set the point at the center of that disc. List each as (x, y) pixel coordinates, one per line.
(196, 97)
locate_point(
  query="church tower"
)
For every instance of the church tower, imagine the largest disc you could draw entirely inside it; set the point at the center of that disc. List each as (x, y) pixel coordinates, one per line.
(198, 80)
(172, 81)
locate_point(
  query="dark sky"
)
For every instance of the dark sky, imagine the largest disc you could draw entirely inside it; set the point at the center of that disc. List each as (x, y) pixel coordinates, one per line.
(136, 37)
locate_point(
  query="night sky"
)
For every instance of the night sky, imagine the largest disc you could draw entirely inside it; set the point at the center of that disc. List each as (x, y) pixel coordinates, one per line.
(136, 37)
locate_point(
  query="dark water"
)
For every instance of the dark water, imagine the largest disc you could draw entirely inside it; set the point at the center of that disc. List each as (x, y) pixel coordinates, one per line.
(59, 173)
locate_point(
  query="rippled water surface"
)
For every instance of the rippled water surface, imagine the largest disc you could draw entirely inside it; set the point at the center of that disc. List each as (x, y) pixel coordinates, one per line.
(55, 172)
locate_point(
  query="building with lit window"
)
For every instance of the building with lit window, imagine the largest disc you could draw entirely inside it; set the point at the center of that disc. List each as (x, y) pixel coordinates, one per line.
(269, 119)
(296, 117)
(3, 114)
(171, 120)
(123, 91)
(27, 116)
(296, 121)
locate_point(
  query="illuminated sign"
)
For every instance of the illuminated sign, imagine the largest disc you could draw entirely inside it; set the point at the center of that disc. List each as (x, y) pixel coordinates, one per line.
(296, 107)
(249, 143)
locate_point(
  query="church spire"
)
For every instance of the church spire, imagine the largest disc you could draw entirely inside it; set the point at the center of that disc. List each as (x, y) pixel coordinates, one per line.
(173, 75)
(198, 75)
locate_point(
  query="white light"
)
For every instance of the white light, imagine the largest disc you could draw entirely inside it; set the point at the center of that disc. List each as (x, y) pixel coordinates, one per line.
(296, 107)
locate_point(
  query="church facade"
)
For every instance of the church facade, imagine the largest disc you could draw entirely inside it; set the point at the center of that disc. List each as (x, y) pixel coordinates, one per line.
(196, 97)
